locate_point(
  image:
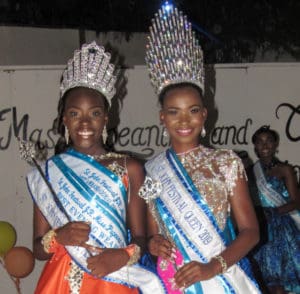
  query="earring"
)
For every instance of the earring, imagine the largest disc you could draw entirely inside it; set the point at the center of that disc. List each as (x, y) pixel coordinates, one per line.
(67, 136)
(104, 134)
(203, 132)
(165, 133)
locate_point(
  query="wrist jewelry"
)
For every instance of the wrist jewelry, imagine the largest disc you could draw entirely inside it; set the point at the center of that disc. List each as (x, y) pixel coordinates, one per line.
(223, 263)
(134, 252)
(48, 240)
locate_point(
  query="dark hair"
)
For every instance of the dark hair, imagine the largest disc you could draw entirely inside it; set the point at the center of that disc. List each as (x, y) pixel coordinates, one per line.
(58, 125)
(163, 93)
(265, 129)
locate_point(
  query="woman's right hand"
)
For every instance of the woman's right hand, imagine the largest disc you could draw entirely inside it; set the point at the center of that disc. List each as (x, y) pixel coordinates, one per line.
(108, 261)
(159, 246)
(73, 233)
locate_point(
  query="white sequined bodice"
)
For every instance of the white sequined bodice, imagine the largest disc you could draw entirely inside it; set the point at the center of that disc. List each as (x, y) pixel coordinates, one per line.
(214, 174)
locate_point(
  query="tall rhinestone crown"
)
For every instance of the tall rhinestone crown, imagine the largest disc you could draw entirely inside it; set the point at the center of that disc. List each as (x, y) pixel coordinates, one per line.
(173, 54)
(90, 68)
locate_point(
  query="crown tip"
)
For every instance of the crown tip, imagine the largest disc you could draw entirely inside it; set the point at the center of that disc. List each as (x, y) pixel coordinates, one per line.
(172, 52)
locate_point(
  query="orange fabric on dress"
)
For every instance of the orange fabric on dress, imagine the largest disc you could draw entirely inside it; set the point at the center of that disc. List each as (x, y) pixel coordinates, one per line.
(53, 279)
(125, 181)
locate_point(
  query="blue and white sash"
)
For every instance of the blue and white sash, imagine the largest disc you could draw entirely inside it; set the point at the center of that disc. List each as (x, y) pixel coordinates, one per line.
(90, 192)
(269, 196)
(193, 226)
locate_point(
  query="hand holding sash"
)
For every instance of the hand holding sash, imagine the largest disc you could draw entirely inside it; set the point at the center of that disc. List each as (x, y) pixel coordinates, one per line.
(160, 246)
(195, 271)
(110, 260)
(73, 233)
(77, 234)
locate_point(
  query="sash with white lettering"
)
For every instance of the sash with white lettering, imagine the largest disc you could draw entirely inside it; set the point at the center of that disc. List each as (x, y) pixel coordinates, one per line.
(88, 191)
(269, 195)
(193, 227)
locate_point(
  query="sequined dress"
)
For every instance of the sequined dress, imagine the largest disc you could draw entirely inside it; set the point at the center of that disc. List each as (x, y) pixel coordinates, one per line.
(278, 257)
(214, 174)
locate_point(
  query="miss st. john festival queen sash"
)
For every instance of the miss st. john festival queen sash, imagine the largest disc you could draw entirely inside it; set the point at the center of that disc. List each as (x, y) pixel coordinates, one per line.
(193, 227)
(90, 192)
(271, 196)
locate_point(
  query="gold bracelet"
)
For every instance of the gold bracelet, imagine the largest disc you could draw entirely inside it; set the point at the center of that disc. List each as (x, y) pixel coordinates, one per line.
(223, 263)
(48, 240)
(134, 252)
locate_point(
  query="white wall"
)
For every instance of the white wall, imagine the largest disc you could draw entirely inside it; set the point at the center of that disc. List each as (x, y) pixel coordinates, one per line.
(241, 96)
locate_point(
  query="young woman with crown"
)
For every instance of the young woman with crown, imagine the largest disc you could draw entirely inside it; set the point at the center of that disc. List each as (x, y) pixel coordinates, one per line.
(90, 224)
(191, 190)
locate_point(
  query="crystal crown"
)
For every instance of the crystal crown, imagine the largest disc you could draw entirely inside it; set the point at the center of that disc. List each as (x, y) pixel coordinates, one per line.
(173, 54)
(90, 68)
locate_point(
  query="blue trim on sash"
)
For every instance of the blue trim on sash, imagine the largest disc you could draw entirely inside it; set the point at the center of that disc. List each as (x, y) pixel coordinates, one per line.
(170, 223)
(138, 281)
(192, 190)
(189, 185)
(88, 194)
(102, 168)
(54, 197)
(228, 234)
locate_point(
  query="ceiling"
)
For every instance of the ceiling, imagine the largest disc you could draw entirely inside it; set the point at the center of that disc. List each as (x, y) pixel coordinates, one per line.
(230, 30)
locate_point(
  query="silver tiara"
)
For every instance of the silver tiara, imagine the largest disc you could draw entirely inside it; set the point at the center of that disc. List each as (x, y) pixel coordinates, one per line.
(173, 54)
(90, 68)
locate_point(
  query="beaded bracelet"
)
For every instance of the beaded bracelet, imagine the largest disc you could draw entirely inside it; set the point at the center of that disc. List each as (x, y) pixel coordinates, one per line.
(223, 263)
(49, 241)
(134, 253)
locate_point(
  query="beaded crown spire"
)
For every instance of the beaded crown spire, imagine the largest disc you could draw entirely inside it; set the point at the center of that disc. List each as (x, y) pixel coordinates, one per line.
(173, 54)
(90, 68)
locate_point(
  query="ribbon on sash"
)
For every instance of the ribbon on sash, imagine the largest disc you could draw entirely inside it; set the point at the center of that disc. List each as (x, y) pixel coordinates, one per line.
(193, 227)
(269, 195)
(90, 192)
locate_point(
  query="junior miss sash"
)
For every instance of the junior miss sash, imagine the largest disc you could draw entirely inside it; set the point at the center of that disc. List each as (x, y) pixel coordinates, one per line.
(269, 196)
(88, 191)
(193, 227)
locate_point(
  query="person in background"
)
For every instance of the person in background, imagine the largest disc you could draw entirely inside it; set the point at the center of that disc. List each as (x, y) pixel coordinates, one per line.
(81, 223)
(192, 190)
(277, 198)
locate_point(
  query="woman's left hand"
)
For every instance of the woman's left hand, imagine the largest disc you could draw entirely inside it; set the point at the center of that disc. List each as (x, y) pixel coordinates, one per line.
(107, 262)
(193, 272)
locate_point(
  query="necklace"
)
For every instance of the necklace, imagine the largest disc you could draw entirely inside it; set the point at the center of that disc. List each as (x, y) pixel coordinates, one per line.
(108, 155)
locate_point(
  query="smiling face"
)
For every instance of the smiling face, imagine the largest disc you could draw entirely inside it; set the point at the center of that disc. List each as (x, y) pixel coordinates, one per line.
(85, 116)
(184, 115)
(265, 146)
